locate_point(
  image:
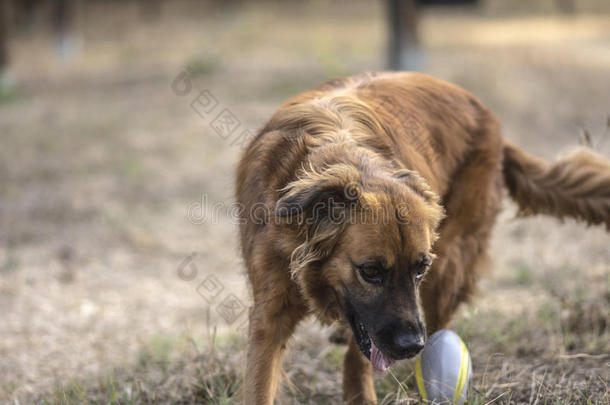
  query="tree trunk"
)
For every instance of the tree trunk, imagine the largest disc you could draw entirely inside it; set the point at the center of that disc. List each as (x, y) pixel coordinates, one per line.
(403, 39)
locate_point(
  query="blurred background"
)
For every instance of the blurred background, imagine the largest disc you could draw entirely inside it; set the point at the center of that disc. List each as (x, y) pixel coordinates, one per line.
(121, 123)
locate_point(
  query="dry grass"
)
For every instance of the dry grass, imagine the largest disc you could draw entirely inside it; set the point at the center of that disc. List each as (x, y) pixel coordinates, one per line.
(515, 365)
(100, 163)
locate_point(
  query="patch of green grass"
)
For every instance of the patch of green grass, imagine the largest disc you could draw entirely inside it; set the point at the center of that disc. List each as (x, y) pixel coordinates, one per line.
(585, 322)
(132, 168)
(7, 389)
(11, 262)
(9, 95)
(202, 65)
(547, 315)
(117, 392)
(106, 390)
(334, 358)
(70, 393)
(9, 91)
(158, 352)
(523, 274)
(219, 389)
(228, 340)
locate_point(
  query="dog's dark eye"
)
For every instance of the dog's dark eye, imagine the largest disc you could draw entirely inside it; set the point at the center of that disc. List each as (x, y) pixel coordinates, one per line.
(371, 273)
(421, 266)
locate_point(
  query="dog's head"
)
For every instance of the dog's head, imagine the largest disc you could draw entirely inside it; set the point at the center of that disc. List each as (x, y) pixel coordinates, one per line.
(365, 245)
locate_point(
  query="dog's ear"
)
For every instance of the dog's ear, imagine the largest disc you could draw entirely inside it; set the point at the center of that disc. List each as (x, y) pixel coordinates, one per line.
(321, 203)
(320, 197)
(299, 199)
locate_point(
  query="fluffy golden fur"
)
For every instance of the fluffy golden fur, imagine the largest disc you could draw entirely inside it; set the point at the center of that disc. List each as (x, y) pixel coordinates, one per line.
(351, 190)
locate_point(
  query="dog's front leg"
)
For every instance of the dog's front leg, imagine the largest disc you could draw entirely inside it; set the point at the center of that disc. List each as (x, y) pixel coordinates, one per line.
(358, 388)
(271, 325)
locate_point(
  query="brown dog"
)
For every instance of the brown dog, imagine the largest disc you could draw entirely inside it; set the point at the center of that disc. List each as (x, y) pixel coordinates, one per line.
(351, 191)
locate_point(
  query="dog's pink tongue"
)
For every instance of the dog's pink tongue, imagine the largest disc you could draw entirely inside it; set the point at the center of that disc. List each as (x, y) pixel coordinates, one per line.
(379, 360)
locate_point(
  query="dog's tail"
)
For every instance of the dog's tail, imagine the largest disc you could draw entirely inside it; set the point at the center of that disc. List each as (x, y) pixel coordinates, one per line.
(576, 185)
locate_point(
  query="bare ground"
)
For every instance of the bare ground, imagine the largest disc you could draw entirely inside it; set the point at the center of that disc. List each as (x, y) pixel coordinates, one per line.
(105, 168)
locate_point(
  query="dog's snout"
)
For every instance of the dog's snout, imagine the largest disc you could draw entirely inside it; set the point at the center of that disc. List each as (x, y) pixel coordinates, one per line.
(403, 340)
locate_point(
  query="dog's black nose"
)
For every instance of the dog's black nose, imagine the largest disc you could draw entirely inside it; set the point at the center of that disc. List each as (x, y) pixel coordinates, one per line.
(408, 344)
(402, 340)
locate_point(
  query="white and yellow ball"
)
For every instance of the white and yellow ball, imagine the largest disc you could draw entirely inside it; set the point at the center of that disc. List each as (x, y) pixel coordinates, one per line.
(443, 369)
